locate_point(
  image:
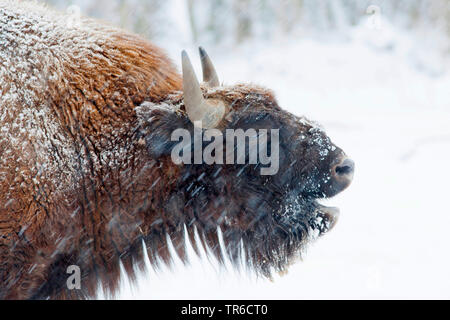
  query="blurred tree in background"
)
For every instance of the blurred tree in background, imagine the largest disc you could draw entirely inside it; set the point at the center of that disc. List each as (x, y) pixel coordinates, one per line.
(235, 21)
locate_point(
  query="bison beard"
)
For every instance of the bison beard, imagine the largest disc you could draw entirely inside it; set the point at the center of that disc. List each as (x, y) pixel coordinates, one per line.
(86, 175)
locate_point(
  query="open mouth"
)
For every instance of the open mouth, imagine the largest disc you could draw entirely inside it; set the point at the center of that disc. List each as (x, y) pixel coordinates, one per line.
(325, 218)
(298, 212)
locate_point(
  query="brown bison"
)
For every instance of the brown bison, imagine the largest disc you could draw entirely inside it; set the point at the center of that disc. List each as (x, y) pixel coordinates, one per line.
(87, 175)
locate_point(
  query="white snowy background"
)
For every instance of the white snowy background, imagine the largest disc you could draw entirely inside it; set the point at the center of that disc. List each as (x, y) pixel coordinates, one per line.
(376, 75)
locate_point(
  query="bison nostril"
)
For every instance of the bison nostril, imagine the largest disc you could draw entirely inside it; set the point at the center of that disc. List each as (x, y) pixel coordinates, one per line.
(341, 176)
(346, 168)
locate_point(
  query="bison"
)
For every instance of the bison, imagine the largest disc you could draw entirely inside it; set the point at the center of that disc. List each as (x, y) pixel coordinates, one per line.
(87, 176)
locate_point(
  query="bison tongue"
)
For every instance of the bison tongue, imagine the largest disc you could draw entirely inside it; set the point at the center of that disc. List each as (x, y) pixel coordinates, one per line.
(328, 217)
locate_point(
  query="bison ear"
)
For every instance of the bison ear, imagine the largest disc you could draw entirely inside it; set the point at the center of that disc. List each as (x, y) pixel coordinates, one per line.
(157, 122)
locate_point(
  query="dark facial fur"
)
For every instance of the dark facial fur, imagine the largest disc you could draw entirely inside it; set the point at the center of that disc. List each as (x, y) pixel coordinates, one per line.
(273, 216)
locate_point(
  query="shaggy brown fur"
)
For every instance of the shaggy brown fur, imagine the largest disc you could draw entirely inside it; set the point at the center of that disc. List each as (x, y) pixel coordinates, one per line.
(86, 115)
(68, 98)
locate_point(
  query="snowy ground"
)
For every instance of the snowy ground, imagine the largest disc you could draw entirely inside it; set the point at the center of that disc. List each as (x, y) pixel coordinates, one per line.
(387, 104)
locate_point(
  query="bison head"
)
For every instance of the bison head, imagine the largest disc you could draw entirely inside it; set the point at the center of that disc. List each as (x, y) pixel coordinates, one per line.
(265, 218)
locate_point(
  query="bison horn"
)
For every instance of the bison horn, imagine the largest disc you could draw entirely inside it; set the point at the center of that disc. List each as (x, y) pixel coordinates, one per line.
(205, 113)
(209, 72)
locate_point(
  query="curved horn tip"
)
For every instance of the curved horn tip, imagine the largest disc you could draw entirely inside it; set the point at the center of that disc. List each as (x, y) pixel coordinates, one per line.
(185, 57)
(188, 70)
(209, 72)
(202, 52)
